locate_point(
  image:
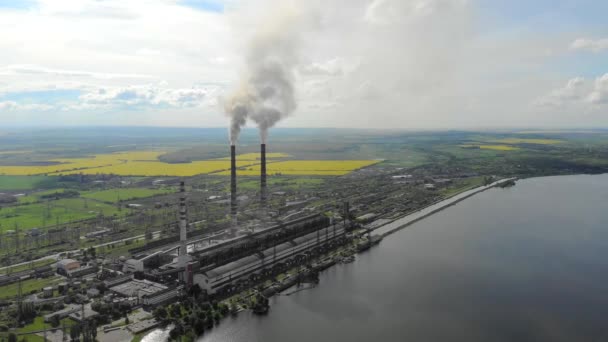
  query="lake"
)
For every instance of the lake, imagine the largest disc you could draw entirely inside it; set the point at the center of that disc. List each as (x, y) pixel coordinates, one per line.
(528, 263)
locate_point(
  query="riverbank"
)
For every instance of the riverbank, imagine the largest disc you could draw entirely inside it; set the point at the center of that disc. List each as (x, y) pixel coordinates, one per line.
(411, 218)
(498, 265)
(270, 289)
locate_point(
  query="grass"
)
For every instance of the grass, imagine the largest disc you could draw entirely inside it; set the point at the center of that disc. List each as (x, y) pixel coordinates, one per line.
(36, 325)
(10, 291)
(113, 195)
(462, 185)
(28, 266)
(308, 167)
(40, 215)
(10, 183)
(35, 197)
(122, 248)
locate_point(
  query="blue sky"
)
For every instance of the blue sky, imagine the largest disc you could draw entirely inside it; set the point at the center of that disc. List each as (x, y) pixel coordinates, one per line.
(16, 4)
(205, 5)
(42, 96)
(441, 63)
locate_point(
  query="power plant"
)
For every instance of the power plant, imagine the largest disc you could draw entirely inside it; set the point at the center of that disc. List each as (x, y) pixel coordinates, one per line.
(223, 263)
(233, 198)
(263, 192)
(183, 258)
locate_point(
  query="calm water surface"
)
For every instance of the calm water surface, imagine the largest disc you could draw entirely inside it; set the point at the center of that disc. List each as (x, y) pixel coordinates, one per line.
(529, 263)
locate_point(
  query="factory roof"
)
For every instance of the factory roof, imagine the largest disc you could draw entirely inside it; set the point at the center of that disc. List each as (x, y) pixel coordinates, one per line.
(402, 176)
(278, 249)
(233, 266)
(86, 310)
(307, 237)
(367, 216)
(138, 288)
(65, 262)
(253, 262)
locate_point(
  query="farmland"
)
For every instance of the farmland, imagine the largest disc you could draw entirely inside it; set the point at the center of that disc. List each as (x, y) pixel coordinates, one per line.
(8, 183)
(124, 194)
(309, 167)
(492, 147)
(75, 165)
(146, 163)
(52, 212)
(256, 156)
(514, 141)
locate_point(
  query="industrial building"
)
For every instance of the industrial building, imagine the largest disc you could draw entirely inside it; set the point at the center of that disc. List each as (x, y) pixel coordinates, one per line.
(137, 288)
(218, 267)
(222, 277)
(66, 265)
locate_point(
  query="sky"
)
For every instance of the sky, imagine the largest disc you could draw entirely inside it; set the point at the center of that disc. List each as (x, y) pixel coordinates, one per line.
(399, 64)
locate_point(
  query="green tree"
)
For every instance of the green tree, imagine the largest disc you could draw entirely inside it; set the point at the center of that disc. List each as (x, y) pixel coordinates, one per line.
(75, 333)
(160, 313)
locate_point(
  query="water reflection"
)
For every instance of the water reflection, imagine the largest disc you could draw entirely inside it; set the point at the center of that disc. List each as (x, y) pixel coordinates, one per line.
(528, 263)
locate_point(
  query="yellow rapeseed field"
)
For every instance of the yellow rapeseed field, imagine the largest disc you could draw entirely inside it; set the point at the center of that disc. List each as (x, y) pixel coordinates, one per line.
(146, 163)
(308, 167)
(256, 156)
(149, 168)
(526, 141)
(74, 165)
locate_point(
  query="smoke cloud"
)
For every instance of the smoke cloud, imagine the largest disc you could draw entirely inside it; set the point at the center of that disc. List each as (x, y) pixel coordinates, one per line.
(266, 93)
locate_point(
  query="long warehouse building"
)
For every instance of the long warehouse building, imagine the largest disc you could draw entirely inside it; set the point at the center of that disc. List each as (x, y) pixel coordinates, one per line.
(220, 277)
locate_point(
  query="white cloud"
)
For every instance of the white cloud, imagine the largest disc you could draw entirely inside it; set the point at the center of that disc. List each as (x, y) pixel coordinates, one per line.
(578, 94)
(384, 12)
(599, 95)
(8, 105)
(573, 91)
(15, 70)
(367, 63)
(148, 95)
(586, 44)
(94, 98)
(14, 106)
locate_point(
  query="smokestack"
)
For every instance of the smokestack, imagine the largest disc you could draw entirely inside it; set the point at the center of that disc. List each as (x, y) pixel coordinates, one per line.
(266, 93)
(233, 201)
(263, 174)
(183, 221)
(183, 258)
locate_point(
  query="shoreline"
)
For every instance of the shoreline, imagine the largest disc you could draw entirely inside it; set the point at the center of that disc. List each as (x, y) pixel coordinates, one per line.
(420, 214)
(393, 227)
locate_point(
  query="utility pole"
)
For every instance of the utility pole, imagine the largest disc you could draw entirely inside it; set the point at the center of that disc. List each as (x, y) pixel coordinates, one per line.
(19, 301)
(64, 329)
(16, 238)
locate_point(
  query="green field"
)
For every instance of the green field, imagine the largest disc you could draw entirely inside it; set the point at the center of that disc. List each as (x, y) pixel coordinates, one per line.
(27, 266)
(125, 194)
(27, 286)
(10, 183)
(35, 197)
(46, 214)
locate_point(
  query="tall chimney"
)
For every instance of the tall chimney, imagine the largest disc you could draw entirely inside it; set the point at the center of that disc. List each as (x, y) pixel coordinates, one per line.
(183, 226)
(233, 201)
(263, 174)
